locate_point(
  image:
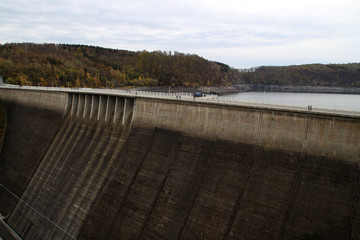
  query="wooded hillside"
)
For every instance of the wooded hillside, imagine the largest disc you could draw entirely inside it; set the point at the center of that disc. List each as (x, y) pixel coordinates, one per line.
(332, 75)
(87, 66)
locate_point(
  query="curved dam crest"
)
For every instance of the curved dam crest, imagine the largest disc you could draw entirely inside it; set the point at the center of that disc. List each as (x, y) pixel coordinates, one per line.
(115, 167)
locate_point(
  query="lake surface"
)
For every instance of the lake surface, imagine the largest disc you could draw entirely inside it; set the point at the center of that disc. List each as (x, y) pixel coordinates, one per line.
(348, 102)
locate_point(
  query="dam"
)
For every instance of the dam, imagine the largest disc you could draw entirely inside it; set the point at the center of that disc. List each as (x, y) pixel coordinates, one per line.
(87, 165)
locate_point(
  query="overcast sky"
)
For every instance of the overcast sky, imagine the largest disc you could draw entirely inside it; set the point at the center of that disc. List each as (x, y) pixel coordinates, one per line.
(239, 33)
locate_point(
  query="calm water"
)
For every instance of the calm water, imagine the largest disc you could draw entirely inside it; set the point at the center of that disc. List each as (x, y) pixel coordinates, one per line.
(349, 102)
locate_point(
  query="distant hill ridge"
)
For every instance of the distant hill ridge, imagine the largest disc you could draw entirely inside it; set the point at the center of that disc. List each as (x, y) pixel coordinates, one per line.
(330, 75)
(90, 66)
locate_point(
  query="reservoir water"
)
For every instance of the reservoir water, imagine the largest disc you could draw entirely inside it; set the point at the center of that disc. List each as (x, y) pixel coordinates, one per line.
(347, 102)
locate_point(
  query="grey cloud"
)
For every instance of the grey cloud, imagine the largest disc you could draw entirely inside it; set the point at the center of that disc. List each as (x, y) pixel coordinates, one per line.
(172, 25)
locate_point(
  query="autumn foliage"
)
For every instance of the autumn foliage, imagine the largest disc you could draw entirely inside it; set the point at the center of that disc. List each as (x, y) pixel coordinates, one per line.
(88, 66)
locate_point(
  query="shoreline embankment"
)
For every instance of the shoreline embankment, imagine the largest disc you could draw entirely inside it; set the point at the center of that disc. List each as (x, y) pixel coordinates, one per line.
(300, 89)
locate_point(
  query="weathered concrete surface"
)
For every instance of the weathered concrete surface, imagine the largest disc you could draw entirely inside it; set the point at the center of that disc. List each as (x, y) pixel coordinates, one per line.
(32, 123)
(119, 168)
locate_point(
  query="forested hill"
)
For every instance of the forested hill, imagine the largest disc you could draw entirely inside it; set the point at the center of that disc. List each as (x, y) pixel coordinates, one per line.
(88, 66)
(331, 75)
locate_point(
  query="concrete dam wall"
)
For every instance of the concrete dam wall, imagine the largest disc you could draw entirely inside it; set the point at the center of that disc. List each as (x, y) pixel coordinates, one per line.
(91, 166)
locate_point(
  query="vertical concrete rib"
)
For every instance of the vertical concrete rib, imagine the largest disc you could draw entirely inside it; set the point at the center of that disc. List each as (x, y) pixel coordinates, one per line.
(100, 107)
(75, 104)
(107, 108)
(242, 191)
(128, 109)
(72, 104)
(78, 106)
(110, 108)
(92, 107)
(95, 107)
(297, 180)
(87, 106)
(125, 110)
(68, 103)
(119, 108)
(115, 109)
(80, 109)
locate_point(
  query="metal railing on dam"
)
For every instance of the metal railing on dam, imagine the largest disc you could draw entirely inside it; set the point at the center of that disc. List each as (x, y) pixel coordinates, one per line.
(188, 97)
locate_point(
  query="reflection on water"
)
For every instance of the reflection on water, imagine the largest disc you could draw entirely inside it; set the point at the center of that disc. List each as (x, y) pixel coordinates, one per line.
(349, 102)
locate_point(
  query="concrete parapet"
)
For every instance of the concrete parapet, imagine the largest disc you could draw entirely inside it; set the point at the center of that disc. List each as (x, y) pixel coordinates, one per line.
(53, 101)
(335, 137)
